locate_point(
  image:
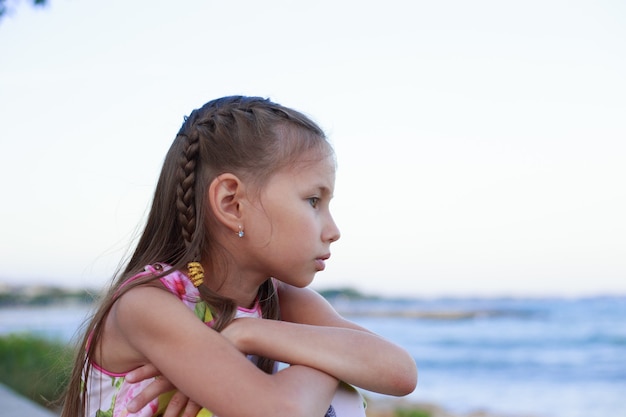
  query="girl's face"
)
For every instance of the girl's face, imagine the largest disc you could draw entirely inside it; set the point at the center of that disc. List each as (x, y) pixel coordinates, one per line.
(290, 228)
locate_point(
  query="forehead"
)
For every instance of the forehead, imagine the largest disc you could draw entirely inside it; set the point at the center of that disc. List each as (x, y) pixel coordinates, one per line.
(314, 170)
(316, 163)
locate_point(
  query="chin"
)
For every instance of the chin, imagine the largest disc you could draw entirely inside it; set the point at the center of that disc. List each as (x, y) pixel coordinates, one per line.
(303, 283)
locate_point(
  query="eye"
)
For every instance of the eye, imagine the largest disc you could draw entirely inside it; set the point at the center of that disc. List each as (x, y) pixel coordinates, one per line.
(313, 201)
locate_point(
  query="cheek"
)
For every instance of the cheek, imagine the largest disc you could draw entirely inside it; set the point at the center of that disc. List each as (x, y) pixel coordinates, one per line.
(287, 221)
(258, 229)
(300, 222)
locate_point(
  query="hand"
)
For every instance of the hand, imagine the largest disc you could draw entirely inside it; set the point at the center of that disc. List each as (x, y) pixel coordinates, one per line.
(177, 404)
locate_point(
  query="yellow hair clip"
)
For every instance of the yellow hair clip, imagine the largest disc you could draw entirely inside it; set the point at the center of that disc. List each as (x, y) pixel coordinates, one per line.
(196, 273)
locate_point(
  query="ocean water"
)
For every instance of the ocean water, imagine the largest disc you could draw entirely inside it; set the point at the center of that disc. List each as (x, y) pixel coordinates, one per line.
(538, 357)
(518, 357)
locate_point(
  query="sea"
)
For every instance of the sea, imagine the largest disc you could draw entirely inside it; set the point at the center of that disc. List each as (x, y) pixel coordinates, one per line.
(539, 357)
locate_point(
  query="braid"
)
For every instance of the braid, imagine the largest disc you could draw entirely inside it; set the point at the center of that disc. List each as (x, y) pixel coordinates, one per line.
(185, 194)
(186, 180)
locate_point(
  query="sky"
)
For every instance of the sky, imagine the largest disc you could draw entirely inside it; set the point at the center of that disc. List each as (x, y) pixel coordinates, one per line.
(481, 145)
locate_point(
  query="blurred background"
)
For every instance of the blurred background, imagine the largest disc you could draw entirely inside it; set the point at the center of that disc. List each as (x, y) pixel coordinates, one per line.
(480, 190)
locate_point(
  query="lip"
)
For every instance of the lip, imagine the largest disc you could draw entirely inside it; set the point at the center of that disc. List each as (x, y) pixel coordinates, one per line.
(320, 262)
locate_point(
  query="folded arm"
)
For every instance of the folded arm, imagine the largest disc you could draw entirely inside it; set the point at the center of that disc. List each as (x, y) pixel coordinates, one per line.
(149, 325)
(313, 334)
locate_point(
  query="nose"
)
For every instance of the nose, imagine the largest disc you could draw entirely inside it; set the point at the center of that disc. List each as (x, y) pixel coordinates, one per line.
(331, 232)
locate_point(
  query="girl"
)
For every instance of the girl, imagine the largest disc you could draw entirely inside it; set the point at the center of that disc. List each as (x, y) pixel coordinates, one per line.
(215, 292)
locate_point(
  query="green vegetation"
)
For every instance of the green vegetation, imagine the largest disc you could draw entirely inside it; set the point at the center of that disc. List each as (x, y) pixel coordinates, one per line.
(347, 293)
(405, 412)
(34, 367)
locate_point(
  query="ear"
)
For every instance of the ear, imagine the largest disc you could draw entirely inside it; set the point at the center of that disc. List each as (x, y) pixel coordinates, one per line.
(224, 197)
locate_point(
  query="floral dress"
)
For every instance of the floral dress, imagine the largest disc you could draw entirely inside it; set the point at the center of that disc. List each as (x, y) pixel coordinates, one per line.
(109, 393)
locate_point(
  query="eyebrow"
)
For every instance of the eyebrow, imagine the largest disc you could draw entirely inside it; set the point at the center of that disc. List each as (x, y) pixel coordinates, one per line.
(325, 190)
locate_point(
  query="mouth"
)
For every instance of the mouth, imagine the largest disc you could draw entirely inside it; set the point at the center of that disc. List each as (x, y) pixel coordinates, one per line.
(320, 263)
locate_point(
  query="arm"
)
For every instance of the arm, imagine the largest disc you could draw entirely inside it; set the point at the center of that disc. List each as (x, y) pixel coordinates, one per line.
(203, 364)
(315, 335)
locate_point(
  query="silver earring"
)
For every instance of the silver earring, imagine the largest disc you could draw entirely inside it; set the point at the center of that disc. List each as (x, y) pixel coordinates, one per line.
(240, 233)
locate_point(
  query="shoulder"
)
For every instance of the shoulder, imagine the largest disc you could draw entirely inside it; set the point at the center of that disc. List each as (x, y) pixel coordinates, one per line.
(150, 313)
(142, 296)
(147, 302)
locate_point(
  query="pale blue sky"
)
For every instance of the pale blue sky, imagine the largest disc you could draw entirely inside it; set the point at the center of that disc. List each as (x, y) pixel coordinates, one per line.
(481, 145)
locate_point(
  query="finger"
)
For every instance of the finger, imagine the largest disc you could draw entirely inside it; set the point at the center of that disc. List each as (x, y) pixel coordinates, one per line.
(176, 405)
(143, 372)
(153, 390)
(191, 410)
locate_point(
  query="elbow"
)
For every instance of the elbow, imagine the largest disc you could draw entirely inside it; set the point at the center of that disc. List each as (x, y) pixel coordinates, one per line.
(292, 408)
(296, 404)
(405, 381)
(405, 386)
(295, 408)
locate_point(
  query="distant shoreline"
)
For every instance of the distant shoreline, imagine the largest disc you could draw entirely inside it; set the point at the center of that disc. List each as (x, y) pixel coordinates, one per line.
(43, 295)
(47, 295)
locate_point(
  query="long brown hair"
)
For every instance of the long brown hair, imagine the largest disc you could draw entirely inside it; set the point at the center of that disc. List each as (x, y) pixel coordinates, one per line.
(250, 137)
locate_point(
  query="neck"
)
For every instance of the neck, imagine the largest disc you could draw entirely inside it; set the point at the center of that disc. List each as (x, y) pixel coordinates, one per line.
(245, 298)
(234, 285)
